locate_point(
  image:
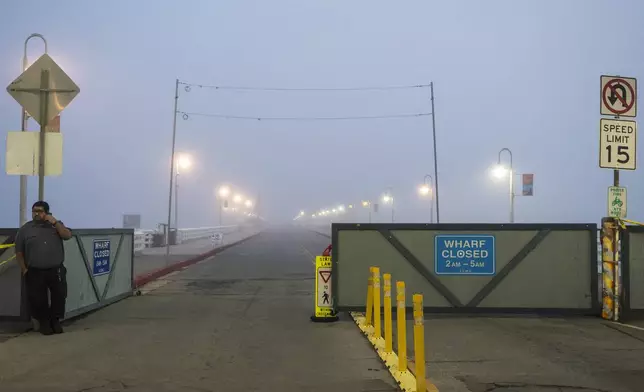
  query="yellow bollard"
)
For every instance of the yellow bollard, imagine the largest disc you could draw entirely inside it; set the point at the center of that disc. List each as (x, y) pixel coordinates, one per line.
(401, 327)
(419, 342)
(369, 310)
(387, 304)
(376, 302)
(609, 262)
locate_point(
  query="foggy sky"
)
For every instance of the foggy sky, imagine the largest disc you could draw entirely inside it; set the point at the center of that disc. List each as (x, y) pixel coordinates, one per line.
(523, 75)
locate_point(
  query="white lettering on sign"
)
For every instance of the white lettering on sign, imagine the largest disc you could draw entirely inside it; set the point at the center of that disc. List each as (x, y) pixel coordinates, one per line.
(102, 245)
(465, 249)
(102, 253)
(617, 144)
(465, 243)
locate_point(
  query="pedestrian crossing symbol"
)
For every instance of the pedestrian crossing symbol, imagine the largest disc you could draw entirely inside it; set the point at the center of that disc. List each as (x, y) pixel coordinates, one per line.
(323, 294)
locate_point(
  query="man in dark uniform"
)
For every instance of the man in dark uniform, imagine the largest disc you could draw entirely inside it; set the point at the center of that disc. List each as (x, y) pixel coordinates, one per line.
(40, 253)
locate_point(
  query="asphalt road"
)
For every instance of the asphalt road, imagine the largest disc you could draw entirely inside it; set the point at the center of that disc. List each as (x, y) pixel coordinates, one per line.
(531, 354)
(236, 322)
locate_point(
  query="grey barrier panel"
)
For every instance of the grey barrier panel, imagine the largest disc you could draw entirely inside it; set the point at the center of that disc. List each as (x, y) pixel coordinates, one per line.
(86, 290)
(10, 280)
(633, 271)
(90, 288)
(538, 268)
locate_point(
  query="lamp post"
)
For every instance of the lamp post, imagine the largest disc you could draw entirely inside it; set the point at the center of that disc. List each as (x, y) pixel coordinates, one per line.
(222, 194)
(427, 190)
(172, 170)
(501, 171)
(367, 204)
(23, 127)
(183, 162)
(389, 198)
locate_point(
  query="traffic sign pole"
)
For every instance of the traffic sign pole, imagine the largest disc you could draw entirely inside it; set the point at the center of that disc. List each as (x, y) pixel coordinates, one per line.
(32, 91)
(44, 109)
(22, 212)
(618, 150)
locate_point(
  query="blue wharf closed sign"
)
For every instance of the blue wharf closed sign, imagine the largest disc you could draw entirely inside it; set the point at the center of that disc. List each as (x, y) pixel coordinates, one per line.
(101, 257)
(473, 254)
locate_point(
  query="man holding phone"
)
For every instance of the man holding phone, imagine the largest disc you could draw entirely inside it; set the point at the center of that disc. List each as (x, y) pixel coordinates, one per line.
(40, 253)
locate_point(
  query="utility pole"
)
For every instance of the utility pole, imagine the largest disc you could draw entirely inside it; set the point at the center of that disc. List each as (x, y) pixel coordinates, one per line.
(438, 215)
(172, 168)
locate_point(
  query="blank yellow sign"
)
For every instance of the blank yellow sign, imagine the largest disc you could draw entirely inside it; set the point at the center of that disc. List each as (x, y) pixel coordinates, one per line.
(23, 150)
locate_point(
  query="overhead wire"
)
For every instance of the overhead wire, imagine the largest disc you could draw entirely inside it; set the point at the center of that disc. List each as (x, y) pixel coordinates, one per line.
(186, 116)
(188, 86)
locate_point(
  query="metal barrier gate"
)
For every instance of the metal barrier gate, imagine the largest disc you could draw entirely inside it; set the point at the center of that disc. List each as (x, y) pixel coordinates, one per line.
(473, 268)
(633, 271)
(99, 265)
(11, 291)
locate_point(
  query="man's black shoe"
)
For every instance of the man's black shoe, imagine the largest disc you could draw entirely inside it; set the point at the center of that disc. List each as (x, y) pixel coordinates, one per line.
(55, 326)
(45, 327)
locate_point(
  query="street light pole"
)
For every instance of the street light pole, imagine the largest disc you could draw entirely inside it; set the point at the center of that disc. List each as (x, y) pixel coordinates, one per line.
(172, 169)
(176, 200)
(390, 193)
(431, 196)
(438, 218)
(511, 181)
(23, 127)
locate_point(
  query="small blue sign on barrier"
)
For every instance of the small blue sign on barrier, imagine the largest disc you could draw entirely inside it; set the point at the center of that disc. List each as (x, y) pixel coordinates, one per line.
(101, 257)
(464, 254)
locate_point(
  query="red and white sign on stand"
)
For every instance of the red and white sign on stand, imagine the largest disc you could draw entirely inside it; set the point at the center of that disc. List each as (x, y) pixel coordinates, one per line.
(618, 96)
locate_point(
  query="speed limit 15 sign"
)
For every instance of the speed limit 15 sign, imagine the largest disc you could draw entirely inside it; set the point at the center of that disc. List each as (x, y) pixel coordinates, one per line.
(617, 144)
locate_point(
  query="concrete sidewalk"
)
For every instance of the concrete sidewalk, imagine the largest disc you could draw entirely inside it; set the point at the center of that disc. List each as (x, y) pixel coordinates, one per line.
(236, 322)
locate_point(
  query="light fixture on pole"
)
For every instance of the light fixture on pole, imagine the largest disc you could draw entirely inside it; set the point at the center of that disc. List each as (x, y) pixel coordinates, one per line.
(427, 190)
(367, 204)
(388, 198)
(500, 171)
(222, 195)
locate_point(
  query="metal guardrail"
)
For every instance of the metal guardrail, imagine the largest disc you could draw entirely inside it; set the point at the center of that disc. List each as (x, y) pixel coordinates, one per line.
(143, 238)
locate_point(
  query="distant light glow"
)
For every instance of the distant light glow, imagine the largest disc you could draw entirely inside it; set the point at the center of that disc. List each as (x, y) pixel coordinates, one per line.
(184, 162)
(224, 191)
(500, 171)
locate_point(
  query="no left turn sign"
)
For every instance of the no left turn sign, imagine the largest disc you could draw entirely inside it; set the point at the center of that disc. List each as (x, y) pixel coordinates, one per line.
(618, 96)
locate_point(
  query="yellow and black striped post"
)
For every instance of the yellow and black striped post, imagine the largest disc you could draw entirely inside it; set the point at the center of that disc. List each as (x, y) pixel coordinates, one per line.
(610, 261)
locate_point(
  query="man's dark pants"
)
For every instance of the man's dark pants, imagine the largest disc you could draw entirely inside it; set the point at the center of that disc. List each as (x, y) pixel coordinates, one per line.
(38, 283)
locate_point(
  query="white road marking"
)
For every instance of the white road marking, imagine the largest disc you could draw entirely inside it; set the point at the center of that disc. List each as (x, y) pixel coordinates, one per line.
(309, 253)
(630, 326)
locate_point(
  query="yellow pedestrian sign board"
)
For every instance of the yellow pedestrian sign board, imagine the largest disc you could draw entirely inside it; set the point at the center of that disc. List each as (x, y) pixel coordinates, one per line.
(323, 294)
